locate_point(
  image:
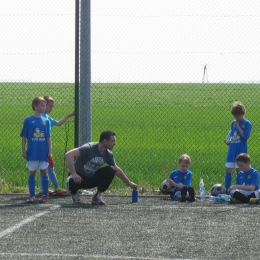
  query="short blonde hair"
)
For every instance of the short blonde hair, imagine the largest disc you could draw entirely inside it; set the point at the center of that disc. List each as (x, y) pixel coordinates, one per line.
(185, 158)
(49, 99)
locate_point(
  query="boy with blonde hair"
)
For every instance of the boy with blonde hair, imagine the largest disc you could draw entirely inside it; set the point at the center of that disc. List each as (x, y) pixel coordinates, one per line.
(181, 180)
(246, 188)
(53, 122)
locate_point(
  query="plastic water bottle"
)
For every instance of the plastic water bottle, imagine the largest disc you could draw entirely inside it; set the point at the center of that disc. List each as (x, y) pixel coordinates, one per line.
(135, 195)
(224, 197)
(228, 138)
(87, 192)
(202, 190)
(215, 198)
(220, 197)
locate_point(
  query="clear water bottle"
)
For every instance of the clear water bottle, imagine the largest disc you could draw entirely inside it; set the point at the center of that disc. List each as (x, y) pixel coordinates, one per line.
(215, 198)
(224, 197)
(229, 137)
(135, 195)
(202, 189)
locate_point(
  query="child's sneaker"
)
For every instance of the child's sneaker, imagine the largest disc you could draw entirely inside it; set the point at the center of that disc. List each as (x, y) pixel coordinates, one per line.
(75, 198)
(234, 200)
(31, 199)
(191, 194)
(43, 199)
(97, 199)
(253, 201)
(60, 191)
(183, 194)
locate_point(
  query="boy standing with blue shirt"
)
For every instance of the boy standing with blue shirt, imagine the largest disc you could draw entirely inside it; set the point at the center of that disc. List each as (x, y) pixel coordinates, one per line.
(246, 188)
(53, 122)
(181, 180)
(36, 133)
(237, 140)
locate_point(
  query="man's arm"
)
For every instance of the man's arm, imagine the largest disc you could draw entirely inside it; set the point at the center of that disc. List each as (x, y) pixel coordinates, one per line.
(64, 119)
(120, 174)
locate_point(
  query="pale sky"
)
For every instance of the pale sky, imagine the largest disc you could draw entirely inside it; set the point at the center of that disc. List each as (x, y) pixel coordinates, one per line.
(133, 40)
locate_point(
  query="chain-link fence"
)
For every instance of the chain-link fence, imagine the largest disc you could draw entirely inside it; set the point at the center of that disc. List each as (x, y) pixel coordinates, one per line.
(164, 77)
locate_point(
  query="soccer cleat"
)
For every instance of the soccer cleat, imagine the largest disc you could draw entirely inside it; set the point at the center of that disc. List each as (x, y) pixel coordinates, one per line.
(253, 201)
(191, 197)
(31, 199)
(97, 199)
(183, 194)
(60, 191)
(75, 198)
(43, 199)
(234, 200)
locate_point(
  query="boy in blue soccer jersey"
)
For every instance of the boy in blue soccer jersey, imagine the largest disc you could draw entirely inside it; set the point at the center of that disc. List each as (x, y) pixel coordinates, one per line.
(246, 188)
(36, 133)
(237, 140)
(53, 122)
(181, 179)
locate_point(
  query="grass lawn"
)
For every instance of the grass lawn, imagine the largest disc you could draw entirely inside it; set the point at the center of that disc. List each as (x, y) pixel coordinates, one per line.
(154, 123)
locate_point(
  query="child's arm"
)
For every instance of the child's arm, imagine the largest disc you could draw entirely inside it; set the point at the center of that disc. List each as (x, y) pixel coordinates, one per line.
(239, 129)
(64, 119)
(174, 184)
(242, 187)
(24, 153)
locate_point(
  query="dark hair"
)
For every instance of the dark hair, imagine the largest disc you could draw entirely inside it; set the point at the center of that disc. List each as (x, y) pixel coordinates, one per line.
(105, 135)
(243, 157)
(238, 108)
(36, 101)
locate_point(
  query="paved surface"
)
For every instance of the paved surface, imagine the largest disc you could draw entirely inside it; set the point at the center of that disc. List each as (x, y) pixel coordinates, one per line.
(154, 228)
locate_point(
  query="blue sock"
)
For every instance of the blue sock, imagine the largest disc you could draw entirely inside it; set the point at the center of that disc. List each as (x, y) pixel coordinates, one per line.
(45, 185)
(31, 184)
(53, 178)
(228, 180)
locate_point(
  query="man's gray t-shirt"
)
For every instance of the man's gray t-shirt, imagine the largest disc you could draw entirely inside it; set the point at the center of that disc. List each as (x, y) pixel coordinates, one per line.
(90, 159)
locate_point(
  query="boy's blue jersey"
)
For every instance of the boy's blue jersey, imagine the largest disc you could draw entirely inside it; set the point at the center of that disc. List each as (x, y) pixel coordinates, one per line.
(248, 178)
(238, 144)
(181, 177)
(36, 130)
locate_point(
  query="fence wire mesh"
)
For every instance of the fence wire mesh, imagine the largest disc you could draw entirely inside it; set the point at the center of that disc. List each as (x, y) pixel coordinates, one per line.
(164, 77)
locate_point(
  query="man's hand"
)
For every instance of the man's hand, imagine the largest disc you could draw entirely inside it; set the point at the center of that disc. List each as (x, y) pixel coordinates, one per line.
(76, 178)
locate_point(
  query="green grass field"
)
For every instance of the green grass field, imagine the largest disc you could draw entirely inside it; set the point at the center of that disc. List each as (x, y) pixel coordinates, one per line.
(154, 123)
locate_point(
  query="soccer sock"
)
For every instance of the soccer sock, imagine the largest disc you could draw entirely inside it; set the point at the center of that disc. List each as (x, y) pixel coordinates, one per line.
(228, 180)
(31, 184)
(45, 185)
(53, 177)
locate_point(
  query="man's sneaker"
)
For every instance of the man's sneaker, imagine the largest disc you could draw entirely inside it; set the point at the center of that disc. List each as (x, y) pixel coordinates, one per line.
(31, 199)
(60, 191)
(191, 197)
(234, 200)
(43, 199)
(75, 198)
(253, 201)
(97, 199)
